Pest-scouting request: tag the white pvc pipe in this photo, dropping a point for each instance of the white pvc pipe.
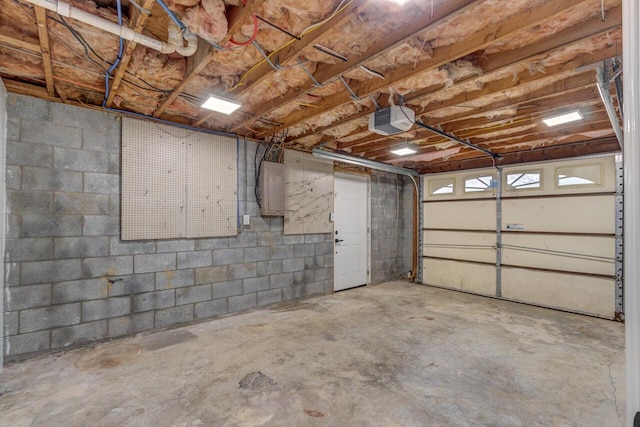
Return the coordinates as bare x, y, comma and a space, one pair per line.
68, 11
631, 159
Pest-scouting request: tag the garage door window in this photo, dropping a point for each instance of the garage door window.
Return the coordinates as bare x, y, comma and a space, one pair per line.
521, 180
478, 184
440, 187
579, 176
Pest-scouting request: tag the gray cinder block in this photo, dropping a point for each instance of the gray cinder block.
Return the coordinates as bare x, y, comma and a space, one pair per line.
80, 290
105, 308
242, 302
78, 334
154, 300
36, 319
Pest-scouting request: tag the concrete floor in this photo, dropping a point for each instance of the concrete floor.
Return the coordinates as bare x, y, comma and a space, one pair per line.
391, 355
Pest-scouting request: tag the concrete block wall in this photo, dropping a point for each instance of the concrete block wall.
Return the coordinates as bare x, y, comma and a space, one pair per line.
71, 280
391, 217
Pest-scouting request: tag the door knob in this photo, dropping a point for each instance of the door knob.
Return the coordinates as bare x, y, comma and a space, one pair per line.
339, 240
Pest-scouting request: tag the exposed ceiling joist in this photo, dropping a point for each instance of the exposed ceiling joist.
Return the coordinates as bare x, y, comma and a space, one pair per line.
326, 73
541, 154
43, 36
196, 64
440, 57
26, 43
137, 22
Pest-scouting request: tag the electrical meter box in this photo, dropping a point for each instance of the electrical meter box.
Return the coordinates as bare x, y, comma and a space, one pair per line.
272, 189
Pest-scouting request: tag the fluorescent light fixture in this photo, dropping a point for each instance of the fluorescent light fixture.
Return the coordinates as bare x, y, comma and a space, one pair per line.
403, 150
563, 118
221, 105
399, 1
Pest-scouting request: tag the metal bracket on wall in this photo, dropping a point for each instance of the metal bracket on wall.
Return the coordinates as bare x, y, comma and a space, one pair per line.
619, 309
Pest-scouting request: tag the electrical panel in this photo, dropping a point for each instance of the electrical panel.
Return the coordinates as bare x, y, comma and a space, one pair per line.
272, 189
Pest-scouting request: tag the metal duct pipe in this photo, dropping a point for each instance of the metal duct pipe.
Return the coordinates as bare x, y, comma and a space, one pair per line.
68, 11
355, 160
603, 89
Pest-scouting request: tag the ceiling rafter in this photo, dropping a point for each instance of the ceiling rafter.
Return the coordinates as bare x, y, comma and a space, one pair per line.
138, 20
264, 70
598, 121
553, 152
564, 91
205, 53
326, 73
26, 43
585, 97
493, 64
43, 36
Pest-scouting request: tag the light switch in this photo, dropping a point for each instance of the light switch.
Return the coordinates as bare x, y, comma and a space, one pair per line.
331, 217
246, 220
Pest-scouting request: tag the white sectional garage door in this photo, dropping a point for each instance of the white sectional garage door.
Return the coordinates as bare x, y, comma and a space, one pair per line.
557, 234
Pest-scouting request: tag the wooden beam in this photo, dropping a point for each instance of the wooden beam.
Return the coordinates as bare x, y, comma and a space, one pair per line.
25, 43
598, 120
327, 72
205, 53
263, 70
441, 56
554, 152
544, 104
490, 64
22, 88
137, 23
43, 35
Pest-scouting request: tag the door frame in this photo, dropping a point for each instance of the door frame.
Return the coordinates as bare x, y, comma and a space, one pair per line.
368, 216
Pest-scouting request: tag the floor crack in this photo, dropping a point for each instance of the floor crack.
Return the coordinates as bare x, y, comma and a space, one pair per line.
615, 389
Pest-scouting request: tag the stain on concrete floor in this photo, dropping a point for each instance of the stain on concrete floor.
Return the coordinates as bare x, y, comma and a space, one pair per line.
362, 357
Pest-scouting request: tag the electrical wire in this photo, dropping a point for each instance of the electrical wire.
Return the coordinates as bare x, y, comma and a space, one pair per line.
135, 4
253, 37
118, 58
343, 5
172, 15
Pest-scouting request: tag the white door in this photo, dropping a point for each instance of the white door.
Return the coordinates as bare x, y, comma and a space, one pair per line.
350, 231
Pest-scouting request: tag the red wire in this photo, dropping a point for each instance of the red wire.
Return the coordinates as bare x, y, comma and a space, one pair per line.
253, 37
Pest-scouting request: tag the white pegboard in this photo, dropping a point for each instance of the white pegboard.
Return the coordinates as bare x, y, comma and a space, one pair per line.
176, 183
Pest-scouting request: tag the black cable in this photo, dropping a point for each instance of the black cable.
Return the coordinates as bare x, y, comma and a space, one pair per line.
278, 28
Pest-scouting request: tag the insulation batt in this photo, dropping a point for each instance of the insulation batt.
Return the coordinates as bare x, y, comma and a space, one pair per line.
356, 36
205, 18
162, 71
21, 65
573, 16
279, 83
18, 22
477, 19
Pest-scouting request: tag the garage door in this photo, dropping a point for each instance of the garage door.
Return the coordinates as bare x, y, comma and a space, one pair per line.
545, 234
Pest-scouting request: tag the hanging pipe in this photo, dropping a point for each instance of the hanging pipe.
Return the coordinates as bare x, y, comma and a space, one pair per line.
68, 11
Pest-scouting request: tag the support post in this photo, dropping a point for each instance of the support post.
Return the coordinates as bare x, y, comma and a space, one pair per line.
498, 231
631, 79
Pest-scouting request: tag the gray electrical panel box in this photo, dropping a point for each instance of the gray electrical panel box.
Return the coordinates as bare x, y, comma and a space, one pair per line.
272, 189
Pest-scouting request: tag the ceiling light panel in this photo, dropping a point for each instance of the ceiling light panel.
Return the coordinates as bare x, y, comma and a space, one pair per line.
221, 105
563, 118
403, 151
